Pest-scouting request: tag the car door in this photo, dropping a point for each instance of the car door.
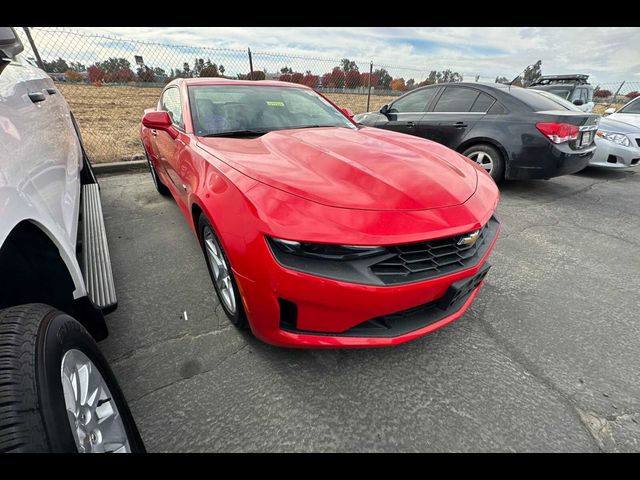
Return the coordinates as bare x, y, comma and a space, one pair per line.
405, 113
41, 154
168, 148
454, 114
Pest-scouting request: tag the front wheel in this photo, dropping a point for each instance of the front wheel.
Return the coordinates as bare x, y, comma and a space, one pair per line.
489, 158
221, 274
57, 392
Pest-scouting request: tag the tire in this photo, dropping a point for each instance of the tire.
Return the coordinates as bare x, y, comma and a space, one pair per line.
160, 187
482, 152
233, 307
35, 342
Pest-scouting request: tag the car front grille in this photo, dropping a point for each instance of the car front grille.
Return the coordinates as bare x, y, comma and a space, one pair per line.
638, 141
414, 262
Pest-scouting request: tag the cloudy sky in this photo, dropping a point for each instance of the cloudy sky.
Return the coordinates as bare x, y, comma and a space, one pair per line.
606, 53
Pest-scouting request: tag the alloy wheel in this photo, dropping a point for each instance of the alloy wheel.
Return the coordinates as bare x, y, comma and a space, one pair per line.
220, 270
96, 424
483, 159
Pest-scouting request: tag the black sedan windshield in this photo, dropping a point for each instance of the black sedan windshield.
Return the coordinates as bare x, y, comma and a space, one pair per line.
220, 109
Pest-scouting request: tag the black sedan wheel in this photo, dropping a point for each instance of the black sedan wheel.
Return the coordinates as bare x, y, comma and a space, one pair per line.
489, 158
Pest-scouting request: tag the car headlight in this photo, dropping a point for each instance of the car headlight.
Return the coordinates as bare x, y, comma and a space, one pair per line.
618, 138
325, 251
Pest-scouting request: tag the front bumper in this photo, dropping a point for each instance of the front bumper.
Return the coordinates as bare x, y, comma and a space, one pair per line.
295, 309
609, 154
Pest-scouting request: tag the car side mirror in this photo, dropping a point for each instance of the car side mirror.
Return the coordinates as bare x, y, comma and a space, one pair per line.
609, 111
384, 110
578, 101
348, 113
10, 46
159, 120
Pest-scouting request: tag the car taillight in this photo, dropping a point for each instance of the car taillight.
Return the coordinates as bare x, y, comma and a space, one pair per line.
558, 132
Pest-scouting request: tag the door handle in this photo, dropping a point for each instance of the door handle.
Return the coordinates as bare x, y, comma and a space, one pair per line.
51, 91
460, 124
37, 97
411, 125
154, 132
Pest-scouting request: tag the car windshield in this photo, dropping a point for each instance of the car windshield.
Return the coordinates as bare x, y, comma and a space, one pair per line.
219, 110
631, 107
541, 100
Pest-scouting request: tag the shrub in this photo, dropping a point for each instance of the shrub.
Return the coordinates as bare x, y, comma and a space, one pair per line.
632, 95
398, 85
297, 77
121, 75
145, 74
335, 79
352, 79
72, 76
259, 75
95, 74
311, 80
364, 79
285, 77
210, 70
602, 94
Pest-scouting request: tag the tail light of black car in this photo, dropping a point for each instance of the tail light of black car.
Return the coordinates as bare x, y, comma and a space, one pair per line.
559, 132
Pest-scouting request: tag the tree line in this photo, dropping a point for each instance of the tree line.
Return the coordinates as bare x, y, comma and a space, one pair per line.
347, 75
119, 70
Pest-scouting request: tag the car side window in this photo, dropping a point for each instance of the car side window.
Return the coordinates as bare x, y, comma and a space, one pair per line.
414, 102
171, 103
584, 95
578, 95
483, 103
456, 99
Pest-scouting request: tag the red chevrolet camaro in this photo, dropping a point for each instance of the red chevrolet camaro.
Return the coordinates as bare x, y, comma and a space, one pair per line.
318, 232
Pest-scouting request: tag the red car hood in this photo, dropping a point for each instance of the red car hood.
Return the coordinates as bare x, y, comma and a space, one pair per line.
368, 169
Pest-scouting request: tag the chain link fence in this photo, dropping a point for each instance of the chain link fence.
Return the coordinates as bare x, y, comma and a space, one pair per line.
109, 81
614, 95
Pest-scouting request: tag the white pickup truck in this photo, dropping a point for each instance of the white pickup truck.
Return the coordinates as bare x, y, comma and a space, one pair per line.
57, 392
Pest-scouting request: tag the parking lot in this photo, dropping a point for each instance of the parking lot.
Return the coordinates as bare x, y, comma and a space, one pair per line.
546, 359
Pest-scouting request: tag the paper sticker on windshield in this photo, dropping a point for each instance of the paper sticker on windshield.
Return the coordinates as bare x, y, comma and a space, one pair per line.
275, 104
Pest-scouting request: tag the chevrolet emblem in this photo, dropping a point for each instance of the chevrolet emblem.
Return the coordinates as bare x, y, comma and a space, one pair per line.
469, 240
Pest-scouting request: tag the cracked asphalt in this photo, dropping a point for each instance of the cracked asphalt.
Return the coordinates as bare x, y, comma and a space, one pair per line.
546, 359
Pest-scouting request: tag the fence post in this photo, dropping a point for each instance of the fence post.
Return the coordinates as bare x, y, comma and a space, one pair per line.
615, 95
369, 93
250, 64
33, 47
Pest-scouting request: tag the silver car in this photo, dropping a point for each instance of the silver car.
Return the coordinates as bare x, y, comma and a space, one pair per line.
629, 113
617, 145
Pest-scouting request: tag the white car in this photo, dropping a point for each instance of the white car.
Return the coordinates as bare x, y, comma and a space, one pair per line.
617, 145
57, 392
629, 113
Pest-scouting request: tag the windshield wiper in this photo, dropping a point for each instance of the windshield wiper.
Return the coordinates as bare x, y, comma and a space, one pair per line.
238, 133
313, 126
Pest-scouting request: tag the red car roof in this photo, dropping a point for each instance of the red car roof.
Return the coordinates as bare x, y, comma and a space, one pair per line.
230, 81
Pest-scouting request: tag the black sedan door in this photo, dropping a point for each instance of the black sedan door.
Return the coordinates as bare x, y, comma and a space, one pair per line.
455, 113
405, 114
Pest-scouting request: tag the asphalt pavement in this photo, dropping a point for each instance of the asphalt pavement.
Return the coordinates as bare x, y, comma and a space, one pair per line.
546, 359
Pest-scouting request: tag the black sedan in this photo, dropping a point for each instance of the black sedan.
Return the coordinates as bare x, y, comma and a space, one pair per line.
514, 133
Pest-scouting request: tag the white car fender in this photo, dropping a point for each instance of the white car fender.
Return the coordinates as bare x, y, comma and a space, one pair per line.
15, 208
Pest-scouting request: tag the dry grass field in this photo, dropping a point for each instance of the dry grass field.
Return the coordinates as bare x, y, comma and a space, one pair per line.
109, 117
